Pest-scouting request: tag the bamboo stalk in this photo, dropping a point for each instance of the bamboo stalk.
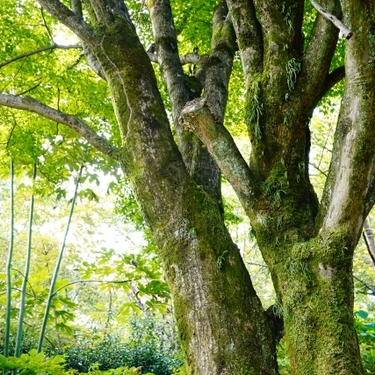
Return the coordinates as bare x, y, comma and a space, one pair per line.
9, 264
57, 268
17, 351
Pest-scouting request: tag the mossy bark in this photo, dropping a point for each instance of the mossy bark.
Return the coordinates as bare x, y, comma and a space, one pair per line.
313, 282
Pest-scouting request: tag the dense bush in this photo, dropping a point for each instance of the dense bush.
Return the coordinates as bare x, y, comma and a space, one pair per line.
34, 363
150, 346
365, 327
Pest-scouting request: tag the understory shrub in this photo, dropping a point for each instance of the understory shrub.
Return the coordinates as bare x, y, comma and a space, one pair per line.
151, 346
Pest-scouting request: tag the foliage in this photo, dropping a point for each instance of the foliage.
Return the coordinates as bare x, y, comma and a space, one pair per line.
34, 363
93, 288
151, 345
365, 326
118, 371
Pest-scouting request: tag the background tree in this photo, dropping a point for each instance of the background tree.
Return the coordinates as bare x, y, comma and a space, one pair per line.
287, 55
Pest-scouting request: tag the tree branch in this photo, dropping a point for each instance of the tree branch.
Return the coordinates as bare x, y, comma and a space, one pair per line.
249, 35
197, 117
334, 77
92, 281
218, 66
29, 89
166, 50
42, 49
74, 22
215, 74
318, 56
46, 25
196, 158
286, 17
366, 285
346, 32
85, 131
91, 59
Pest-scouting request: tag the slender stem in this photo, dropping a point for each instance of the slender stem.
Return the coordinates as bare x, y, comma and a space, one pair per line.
26, 274
57, 268
9, 264
94, 281
366, 285
47, 48
347, 33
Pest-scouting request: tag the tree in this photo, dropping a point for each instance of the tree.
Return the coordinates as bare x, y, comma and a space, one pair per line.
287, 53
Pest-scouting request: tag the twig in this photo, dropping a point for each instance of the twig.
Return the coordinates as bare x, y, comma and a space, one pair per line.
45, 24
369, 287
11, 132
29, 89
347, 33
92, 281
42, 49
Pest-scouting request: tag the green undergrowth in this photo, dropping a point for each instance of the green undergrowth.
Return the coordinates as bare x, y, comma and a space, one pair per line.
34, 363
150, 347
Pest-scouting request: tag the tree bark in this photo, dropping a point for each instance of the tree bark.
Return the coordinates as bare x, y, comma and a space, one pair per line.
220, 319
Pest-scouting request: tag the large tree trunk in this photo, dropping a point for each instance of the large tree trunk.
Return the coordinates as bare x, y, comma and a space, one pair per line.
219, 316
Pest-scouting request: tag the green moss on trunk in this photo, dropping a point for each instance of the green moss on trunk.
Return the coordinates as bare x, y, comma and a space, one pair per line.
313, 282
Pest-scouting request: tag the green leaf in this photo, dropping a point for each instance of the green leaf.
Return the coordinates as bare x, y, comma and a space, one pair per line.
362, 314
